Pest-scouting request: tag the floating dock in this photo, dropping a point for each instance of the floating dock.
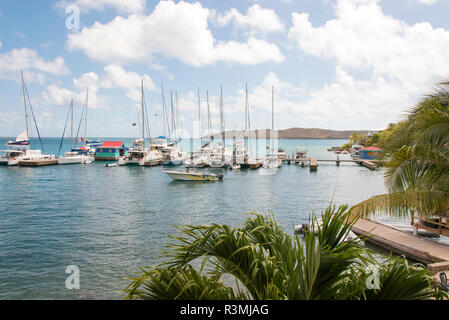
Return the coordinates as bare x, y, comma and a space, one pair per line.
370, 164
431, 253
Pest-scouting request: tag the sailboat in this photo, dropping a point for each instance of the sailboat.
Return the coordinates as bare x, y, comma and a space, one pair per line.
73, 157
138, 154
199, 158
17, 149
220, 156
89, 146
19, 152
172, 155
272, 161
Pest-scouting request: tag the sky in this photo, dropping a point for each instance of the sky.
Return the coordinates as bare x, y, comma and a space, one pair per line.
333, 64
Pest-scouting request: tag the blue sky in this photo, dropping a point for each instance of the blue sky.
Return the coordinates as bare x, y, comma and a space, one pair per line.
342, 64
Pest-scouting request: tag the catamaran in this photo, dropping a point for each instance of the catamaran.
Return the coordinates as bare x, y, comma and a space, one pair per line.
19, 152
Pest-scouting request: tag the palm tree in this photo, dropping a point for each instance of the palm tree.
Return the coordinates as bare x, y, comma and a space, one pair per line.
417, 177
260, 261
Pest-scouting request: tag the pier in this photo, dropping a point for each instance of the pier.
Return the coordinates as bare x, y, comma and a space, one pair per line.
431, 253
370, 164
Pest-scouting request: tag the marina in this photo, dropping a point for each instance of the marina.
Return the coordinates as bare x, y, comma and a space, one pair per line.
195, 150
106, 219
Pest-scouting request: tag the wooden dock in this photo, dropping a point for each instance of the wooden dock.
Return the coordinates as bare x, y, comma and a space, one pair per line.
313, 164
366, 163
434, 254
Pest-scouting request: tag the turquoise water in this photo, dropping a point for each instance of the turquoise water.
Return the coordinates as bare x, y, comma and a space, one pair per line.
109, 221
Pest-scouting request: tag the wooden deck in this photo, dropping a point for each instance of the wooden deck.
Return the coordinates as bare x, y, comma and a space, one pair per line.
435, 255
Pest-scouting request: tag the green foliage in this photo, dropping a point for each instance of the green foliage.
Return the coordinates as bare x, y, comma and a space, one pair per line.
260, 261
417, 176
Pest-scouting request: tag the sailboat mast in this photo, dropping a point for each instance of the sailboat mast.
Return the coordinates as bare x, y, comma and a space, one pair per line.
222, 123
199, 116
246, 116
25, 105
176, 113
143, 117
172, 116
85, 119
209, 124
246, 106
71, 132
163, 108
272, 120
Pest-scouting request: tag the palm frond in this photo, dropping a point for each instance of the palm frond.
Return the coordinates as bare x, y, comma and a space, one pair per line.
422, 203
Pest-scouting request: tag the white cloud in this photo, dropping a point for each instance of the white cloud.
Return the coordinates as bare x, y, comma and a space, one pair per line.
428, 2
115, 76
172, 32
401, 62
363, 37
128, 6
12, 62
54, 95
257, 19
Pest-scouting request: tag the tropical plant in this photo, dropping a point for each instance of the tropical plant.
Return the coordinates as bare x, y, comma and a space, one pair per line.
417, 177
260, 261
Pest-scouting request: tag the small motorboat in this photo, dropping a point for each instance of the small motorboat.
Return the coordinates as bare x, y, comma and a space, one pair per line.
235, 167
111, 164
193, 176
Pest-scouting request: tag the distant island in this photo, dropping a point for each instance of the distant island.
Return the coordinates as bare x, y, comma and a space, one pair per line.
296, 133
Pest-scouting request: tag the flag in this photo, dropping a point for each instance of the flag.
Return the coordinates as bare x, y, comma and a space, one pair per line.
134, 124
79, 140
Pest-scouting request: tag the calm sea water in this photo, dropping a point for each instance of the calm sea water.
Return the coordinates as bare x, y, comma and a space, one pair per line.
110, 221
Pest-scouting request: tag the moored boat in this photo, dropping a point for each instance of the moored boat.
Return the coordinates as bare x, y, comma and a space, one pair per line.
75, 158
193, 176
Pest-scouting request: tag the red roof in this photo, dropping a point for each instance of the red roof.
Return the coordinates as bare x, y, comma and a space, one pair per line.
111, 144
372, 148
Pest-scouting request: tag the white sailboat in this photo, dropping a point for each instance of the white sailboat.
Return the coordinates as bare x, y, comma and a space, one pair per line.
89, 146
272, 160
220, 156
172, 155
73, 157
139, 154
19, 152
